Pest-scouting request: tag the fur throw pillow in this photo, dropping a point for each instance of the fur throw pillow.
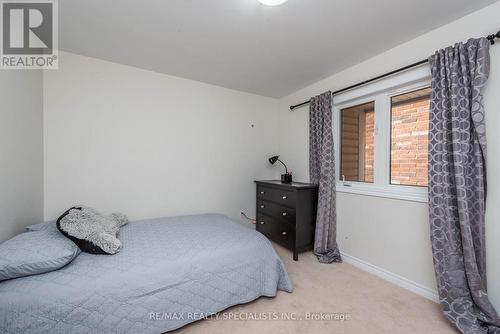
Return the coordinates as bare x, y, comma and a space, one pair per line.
91, 231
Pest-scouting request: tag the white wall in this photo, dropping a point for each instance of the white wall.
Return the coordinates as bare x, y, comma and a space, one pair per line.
119, 138
21, 151
392, 234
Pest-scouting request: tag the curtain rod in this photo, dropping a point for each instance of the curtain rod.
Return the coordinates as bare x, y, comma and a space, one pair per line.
491, 38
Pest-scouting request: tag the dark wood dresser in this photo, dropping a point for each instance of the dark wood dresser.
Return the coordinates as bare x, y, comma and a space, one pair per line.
286, 213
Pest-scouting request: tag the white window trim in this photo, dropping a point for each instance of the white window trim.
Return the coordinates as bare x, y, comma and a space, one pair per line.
381, 93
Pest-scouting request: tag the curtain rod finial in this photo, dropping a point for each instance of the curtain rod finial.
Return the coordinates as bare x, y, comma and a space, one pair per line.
492, 37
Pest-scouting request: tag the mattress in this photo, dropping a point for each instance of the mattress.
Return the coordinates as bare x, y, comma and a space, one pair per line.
170, 272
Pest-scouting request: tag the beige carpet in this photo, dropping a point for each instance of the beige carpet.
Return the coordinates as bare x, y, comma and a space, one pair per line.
372, 305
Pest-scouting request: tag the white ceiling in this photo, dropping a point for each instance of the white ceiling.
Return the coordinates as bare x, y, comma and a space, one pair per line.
243, 45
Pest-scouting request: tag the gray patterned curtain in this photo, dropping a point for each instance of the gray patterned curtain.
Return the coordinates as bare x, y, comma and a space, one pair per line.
457, 185
322, 172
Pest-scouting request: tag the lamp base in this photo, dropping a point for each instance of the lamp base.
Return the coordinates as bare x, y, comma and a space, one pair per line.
286, 178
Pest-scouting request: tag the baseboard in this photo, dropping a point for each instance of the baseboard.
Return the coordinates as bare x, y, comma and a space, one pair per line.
405, 283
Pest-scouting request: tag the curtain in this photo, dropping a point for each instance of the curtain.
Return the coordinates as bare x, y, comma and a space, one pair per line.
457, 185
322, 172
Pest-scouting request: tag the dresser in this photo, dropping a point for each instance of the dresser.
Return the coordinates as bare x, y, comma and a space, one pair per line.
286, 213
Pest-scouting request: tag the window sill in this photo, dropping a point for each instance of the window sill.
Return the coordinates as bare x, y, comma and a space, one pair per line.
405, 193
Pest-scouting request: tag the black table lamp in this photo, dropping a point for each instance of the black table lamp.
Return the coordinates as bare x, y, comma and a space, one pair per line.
285, 178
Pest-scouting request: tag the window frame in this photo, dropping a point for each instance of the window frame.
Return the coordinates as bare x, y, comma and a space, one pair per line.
381, 93
340, 125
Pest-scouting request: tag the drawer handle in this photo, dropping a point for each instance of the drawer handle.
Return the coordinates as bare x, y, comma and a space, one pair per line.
262, 192
285, 197
262, 206
262, 223
284, 213
283, 233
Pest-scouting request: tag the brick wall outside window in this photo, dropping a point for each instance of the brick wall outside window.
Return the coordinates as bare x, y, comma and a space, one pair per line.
409, 140
369, 145
350, 146
357, 143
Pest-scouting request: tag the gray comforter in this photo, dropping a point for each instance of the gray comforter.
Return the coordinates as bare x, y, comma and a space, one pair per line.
171, 272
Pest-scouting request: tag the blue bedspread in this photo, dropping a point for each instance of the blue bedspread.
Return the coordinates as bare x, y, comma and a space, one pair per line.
170, 272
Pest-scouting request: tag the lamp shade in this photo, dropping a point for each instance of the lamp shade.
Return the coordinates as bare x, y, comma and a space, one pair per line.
272, 160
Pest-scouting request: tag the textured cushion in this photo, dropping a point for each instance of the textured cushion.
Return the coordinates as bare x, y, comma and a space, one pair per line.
91, 231
37, 252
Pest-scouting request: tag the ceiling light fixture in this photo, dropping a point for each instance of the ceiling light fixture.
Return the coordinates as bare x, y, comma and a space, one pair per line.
272, 2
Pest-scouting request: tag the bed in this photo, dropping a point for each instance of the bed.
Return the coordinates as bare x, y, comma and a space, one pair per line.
170, 272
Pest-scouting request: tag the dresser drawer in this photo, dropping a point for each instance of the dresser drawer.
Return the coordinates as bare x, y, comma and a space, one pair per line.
281, 196
276, 211
276, 230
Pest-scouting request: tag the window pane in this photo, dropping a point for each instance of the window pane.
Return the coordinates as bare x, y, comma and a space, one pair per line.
358, 124
409, 138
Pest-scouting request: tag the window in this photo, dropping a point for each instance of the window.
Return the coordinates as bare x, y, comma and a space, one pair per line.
381, 133
358, 125
409, 137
